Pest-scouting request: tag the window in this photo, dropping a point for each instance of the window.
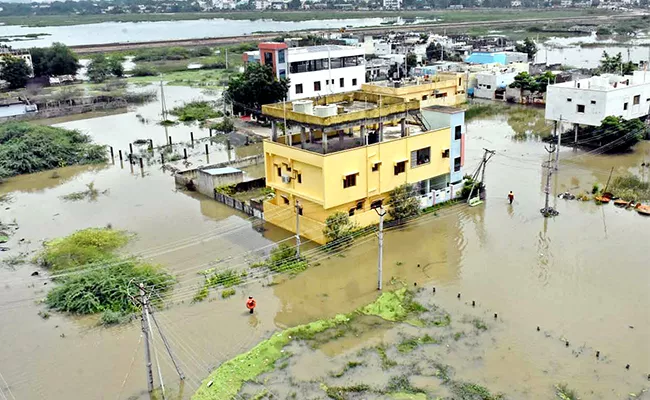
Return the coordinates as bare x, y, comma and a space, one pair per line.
285, 199
593, 102
624, 106
299, 177
458, 132
456, 164
400, 167
299, 88
349, 181
268, 58
439, 95
445, 153
283, 74
360, 205
376, 204
420, 157
351, 212
375, 166
488, 86
281, 56
425, 97
460, 81
317, 86
580, 108
568, 100
354, 81
279, 171
327, 82
341, 82
637, 100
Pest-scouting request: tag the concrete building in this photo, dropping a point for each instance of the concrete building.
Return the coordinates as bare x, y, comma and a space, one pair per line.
347, 152
211, 178
392, 4
315, 70
492, 83
6, 51
443, 89
588, 101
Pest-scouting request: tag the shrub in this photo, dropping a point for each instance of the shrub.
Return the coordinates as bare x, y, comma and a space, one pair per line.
195, 111
283, 259
339, 228
403, 203
227, 293
226, 125
143, 71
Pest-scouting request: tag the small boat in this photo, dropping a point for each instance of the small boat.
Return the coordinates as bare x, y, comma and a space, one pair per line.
642, 209
622, 203
602, 199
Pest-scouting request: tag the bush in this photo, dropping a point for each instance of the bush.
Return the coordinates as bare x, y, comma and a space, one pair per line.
143, 71
27, 148
106, 288
226, 125
81, 248
227, 293
283, 259
403, 203
339, 228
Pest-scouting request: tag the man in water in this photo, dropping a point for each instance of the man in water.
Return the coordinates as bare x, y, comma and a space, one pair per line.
250, 304
511, 197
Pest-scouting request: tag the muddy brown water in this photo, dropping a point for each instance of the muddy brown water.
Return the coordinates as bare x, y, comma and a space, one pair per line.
582, 276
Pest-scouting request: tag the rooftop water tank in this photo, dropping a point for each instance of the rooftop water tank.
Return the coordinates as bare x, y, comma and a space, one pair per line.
325, 111
304, 106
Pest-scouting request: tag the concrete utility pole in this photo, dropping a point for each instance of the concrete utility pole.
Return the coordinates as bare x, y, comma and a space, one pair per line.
380, 256
559, 141
298, 208
145, 332
548, 211
226, 58
169, 349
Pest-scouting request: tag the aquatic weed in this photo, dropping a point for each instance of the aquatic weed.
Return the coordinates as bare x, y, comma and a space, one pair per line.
473, 391
201, 294
402, 384
350, 365
227, 293
408, 345
338, 393
386, 362
564, 393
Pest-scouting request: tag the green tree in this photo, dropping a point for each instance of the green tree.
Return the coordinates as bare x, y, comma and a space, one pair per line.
15, 72
99, 69
544, 80
614, 134
116, 67
615, 65
525, 81
254, 87
55, 60
294, 5
338, 227
434, 50
403, 203
528, 46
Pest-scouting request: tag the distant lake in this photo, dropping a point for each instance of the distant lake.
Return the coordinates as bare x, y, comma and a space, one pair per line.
111, 32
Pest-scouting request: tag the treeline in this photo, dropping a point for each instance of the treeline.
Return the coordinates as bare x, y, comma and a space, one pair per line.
96, 7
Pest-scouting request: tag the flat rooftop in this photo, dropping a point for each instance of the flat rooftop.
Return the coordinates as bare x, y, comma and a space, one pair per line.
607, 82
321, 48
221, 171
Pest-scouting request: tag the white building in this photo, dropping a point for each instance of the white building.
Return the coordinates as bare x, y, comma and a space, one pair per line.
392, 4
6, 51
314, 70
491, 84
588, 101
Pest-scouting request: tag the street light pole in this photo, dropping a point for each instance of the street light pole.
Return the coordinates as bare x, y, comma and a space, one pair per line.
380, 257
297, 228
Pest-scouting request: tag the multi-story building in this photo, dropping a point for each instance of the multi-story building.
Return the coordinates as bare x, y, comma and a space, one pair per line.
442, 89
588, 101
6, 51
347, 152
392, 4
315, 70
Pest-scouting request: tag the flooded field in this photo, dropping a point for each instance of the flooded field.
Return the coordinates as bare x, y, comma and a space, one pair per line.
582, 277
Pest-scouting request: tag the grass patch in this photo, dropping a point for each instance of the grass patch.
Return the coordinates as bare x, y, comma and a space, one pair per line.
564, 393
283, 259
386, 362
408, 345
339, 393
91, 193
83, 247
195, 111
458, 335
350, 365
227, 293
394, 306
487, 109
477, 323
631, 188
402, 384
472, 391
201, 294
226, 279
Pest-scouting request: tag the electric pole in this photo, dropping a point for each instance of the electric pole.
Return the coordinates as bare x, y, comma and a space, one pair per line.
169, 350
380, 235
548, 211
559, 141
298, 211
145, 333
226, 58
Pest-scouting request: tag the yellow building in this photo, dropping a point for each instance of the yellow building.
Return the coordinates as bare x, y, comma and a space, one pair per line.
346, 152
442, 89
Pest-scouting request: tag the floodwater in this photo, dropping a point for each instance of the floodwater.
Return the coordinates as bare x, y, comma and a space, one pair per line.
124, 32
581, 276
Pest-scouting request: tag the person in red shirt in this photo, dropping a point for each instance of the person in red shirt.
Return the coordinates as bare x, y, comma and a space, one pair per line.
511, 197
250, 304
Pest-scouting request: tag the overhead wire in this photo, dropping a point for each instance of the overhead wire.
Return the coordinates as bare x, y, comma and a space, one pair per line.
7, 386
128, 372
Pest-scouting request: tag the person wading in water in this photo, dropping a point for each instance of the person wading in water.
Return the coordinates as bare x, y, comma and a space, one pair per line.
511, 197
250, 304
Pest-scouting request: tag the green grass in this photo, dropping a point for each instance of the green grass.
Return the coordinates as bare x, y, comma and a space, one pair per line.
339, 393
410, 344
484, 109
472, 391
445, 15
195, 111
564, 393
394, 306
386, 363
227, 293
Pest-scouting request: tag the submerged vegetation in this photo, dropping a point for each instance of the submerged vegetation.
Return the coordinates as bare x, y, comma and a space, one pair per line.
484, 109
197, 110
630, 188
27, 148
95, 279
